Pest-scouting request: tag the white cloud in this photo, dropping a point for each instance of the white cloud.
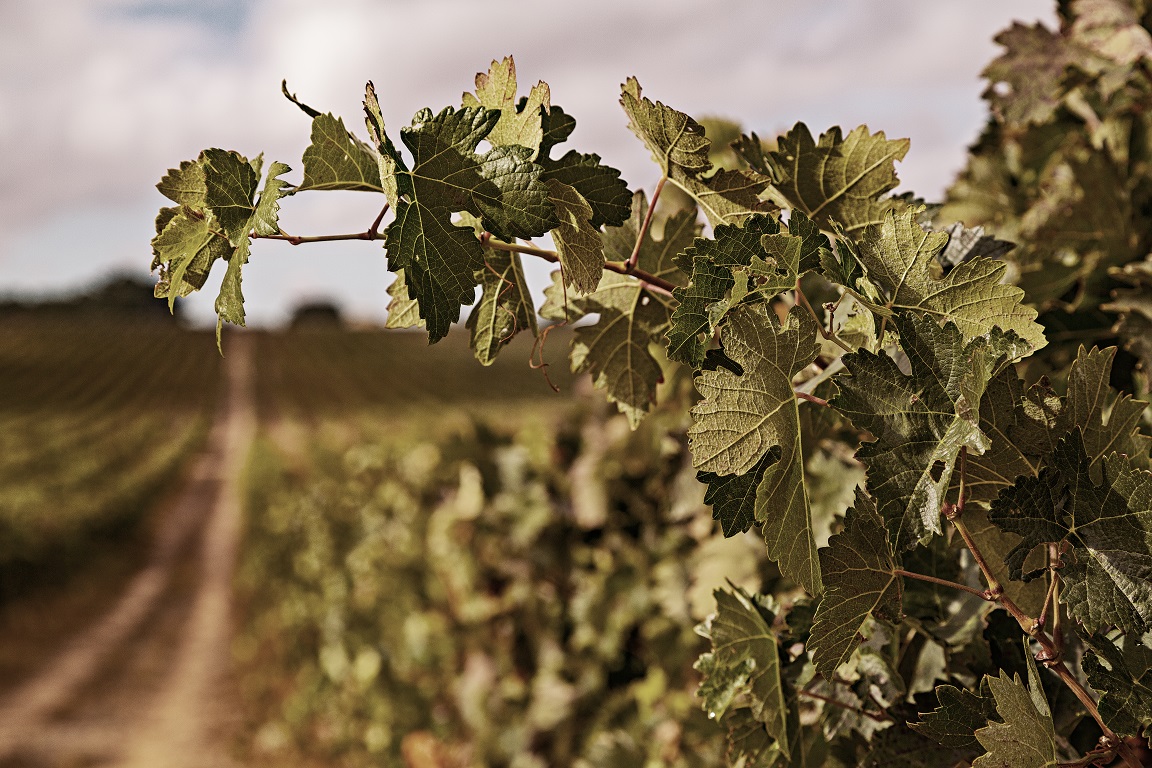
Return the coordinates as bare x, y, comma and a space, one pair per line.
99, 97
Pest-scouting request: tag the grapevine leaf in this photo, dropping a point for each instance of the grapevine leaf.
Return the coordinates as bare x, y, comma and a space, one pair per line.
1124, 681
1022, 427
840, 179
338, 160
185, 185
265, 217
184, 250
230, 182
403, 312
741, 418
505, 306
675, 140
753, 261
733, 497
712, 263
519, 124
230, 300
1027, 737
1108, 523
860, 586
388, 160
744, 663
922, 420
1025, 81
556, 126
1108, 422
441, 260
578, 244
615, 351
955, 721
680, 148
899, 258
599, 184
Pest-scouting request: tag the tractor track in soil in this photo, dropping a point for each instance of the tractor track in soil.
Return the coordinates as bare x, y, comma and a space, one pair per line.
148, 682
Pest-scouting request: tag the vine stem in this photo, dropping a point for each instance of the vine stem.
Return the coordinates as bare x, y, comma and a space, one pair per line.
654, 283
650, 281
981, 593
630, 265
1050, 654
844, 705
812, 399
828, 335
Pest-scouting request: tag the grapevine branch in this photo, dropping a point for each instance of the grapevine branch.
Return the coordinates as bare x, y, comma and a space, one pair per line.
828, 335
634, 257
1050, 654
878, 717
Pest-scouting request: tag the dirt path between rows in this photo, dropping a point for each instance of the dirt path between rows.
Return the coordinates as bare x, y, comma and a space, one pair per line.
148, 683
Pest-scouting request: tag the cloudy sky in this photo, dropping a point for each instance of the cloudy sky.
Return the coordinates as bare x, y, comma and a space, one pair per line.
99, 97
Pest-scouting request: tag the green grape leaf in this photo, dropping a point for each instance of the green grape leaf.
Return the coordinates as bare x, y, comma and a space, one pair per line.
741, 418
338, 160
578, 244
753, 261
1025, 82
1026, 738
616, 349
1124, 680
597, 183
1108, 576
899, 258
840, 178
733, 497
1022, 427
403, 312
505, 306
1108, 422
556, 126
680, 148
744, 664
955, 721
185, 185
922, 419
219, 209
712, 262
859, 586
388, 160
441, 260
520, 123
186, 246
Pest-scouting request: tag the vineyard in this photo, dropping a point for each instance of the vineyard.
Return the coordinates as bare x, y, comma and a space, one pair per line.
95, 420
784, 467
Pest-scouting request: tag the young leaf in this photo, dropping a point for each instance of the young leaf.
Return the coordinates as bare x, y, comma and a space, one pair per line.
743, 664
338, 160
859, 586
616, 349
840, 179
520, 123
680, 148
505, 306
769, 261
899, 258
741, 418
1108, 576
578, 244
1026, 738
921, 419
